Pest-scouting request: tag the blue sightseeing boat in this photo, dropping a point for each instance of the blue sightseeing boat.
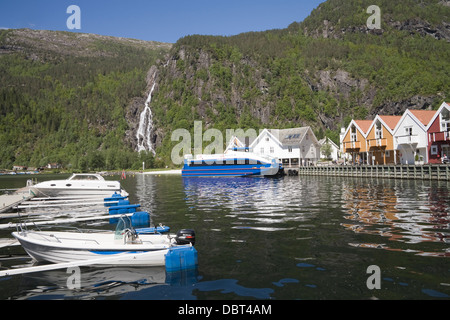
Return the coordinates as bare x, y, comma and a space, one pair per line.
235, 164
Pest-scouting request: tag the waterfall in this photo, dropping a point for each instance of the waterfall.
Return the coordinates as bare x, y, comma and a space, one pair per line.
143, 134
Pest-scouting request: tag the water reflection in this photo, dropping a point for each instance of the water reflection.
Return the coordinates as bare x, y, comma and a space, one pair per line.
245, 251
104, 282
252, 203
410, 212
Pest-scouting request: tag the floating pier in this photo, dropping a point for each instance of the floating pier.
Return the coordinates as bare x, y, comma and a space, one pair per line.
419, 172
10, 201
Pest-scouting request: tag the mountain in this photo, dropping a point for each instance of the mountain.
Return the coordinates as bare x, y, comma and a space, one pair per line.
64, 97
321, 72
79, 99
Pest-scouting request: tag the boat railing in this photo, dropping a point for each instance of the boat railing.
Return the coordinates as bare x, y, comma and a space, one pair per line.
24, 229
59, 239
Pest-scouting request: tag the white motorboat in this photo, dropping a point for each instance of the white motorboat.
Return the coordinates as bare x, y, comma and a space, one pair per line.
84, 184
122, 247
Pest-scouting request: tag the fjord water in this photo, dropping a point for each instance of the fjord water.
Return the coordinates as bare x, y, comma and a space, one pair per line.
278, 238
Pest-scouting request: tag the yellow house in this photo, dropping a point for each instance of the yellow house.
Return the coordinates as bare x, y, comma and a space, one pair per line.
380, 140
353, 140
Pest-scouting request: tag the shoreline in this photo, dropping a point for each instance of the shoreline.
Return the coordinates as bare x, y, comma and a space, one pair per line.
175, 171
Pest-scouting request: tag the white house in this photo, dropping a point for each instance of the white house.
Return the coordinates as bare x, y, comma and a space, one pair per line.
335, 150
54, 166
410, 136
297, 146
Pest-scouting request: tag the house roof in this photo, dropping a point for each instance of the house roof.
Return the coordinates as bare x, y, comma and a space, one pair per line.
364, 125
290, 137
326, 139
391, 121
243, 139
443, 106
424, 116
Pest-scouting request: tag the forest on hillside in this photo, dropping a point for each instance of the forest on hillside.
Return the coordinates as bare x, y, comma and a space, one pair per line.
69, 108
321, 72
65, 98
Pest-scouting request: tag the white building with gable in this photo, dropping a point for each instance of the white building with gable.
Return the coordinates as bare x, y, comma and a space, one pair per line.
293, 147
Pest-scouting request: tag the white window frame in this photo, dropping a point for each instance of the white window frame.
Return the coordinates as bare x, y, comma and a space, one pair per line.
409, 131
434, 150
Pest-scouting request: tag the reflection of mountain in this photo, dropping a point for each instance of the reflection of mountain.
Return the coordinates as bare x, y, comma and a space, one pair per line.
410, 215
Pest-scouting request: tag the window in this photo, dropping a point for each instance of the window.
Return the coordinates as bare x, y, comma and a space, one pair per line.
388, 154
353, 134
434, 150
408, 131
289, 149
378, 131
262, 150
445, 120
272, 150
293, 136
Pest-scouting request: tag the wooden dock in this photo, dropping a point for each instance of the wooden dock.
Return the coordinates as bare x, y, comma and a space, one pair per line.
10, 201
423, 172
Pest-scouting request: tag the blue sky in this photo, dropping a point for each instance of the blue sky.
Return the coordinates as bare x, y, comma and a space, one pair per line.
164, 21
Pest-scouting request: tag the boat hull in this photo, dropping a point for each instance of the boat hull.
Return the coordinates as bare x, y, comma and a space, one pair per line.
78, 185
65, 192
63, 247
230, 165
230, 172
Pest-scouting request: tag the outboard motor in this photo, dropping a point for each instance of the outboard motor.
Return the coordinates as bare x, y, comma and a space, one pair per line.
185, 236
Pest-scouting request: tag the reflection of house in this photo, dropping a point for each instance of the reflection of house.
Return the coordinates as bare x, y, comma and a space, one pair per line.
297, 146
380, 140
438, 131
334, 149
410, 136
353, 140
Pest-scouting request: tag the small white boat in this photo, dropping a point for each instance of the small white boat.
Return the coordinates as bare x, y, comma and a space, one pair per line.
83, 184
122, 247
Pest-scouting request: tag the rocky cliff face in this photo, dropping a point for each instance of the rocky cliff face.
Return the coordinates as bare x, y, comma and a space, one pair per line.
135, 109
321, 72
63, 97
75, 94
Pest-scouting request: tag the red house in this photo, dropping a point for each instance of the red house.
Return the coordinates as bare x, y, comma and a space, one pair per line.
438, 132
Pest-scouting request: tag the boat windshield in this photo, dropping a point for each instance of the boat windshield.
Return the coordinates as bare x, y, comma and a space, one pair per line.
123, 224
84, 177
